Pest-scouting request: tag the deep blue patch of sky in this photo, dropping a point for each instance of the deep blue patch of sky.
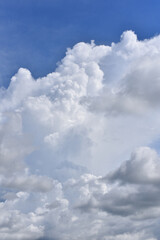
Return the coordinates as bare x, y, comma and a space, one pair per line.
35, 33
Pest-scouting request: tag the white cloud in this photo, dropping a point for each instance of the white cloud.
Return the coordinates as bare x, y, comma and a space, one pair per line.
57, 133
143, 167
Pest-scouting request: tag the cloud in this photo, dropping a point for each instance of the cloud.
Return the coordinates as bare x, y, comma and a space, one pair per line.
28, 183
131, 77
16, 225
142, 168
136, 193
64, 139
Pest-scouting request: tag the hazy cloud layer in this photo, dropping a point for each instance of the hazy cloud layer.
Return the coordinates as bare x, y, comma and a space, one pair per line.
72, 159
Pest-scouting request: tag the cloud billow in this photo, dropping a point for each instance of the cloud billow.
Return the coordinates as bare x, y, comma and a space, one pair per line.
64, 141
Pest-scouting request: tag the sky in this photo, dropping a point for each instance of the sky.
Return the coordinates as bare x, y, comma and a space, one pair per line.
35, 34
79, 120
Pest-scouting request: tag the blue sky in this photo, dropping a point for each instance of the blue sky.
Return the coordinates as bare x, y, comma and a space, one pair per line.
35, 33
80, 147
